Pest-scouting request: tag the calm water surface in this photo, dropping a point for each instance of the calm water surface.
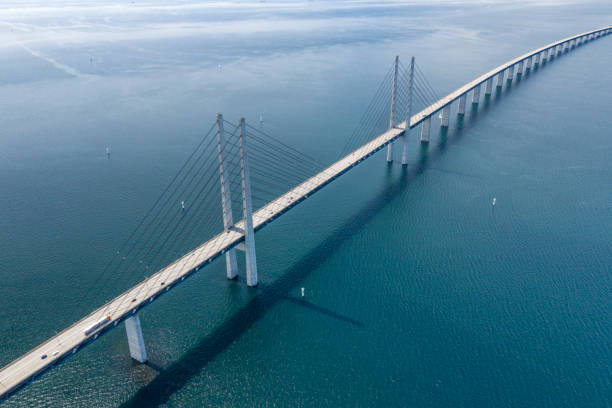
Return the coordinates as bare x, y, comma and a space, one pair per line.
419, 293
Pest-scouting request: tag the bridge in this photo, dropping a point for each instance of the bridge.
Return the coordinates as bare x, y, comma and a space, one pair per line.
230, 146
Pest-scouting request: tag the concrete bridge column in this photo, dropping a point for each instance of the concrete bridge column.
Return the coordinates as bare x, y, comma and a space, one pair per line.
500, 79
489, 86
528, 67
135, 339
425, 128
392, 115
510, 72
445, 116
247, 210
519, 69
537, 59
226, 199
544, 55
408, 113
461, 110
476, 94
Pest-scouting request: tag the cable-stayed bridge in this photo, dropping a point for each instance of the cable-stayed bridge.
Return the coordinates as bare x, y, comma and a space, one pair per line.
260, 178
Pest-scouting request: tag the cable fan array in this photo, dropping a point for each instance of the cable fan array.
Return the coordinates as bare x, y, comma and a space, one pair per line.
188, 211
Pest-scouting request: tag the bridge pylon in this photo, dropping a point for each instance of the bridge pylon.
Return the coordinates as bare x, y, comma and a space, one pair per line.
247, 210
248, 246
226, 199
408, 113
392, 114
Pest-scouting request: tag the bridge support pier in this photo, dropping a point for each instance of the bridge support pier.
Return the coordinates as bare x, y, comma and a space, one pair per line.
476, 94
500, 79
461, 109
489, 86
226, 200
445, 116
519, 69
425, 128
528, 65
135, 339
510, 73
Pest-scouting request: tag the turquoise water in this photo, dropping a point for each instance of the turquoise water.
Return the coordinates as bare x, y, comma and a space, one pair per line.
418, 292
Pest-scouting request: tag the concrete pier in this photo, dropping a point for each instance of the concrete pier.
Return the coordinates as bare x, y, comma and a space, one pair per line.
445, 116
135, 340
461, 109
476, 94
528, 65
519, 69
510, 73
489, 86
425, 129
500, 79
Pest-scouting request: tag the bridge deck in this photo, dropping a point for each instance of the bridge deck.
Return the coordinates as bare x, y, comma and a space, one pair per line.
66, 343
69, 341
438, 105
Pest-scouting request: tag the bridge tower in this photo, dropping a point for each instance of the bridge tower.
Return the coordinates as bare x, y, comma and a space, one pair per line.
226, 199
392, 115
247, 210
408, 112
248, 246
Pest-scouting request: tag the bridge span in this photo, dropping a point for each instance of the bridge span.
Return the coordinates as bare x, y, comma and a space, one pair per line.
240, 235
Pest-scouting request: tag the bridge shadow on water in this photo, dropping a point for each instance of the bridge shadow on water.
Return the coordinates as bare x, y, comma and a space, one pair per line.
173, 378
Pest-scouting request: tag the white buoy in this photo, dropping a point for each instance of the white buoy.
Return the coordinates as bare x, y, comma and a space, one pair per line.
302, 292
494, 200
182, 205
